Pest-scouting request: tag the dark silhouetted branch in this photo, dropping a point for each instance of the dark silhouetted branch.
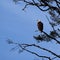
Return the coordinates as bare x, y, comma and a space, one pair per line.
33, 52
42, 3
27, 45
52, 37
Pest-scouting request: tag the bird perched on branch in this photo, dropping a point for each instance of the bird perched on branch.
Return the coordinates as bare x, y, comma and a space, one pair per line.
40, 26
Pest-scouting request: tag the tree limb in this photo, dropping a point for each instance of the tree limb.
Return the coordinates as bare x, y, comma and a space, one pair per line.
51, 37
33, 52
27, 45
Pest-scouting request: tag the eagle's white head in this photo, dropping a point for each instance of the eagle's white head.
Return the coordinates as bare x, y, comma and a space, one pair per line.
38, 20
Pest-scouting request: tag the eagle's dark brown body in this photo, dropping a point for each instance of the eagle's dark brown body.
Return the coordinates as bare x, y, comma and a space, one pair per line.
40, 26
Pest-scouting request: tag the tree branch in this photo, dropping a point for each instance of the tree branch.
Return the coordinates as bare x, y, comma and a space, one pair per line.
51, 37
24, 46
27, 45
33, 52
45, 3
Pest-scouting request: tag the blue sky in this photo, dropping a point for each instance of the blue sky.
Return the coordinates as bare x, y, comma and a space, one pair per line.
18, 26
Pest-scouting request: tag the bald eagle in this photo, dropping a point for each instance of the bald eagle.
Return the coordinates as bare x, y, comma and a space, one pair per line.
40, 26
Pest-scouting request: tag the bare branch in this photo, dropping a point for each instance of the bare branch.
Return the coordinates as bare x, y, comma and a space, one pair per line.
52, 37
45, 3
25, 6
34, 52
57, 3
27, 45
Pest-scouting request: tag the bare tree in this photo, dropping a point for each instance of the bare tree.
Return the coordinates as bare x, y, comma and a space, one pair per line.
52, 7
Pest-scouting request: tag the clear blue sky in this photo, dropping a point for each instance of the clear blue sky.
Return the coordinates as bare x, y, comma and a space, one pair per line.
18, 26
